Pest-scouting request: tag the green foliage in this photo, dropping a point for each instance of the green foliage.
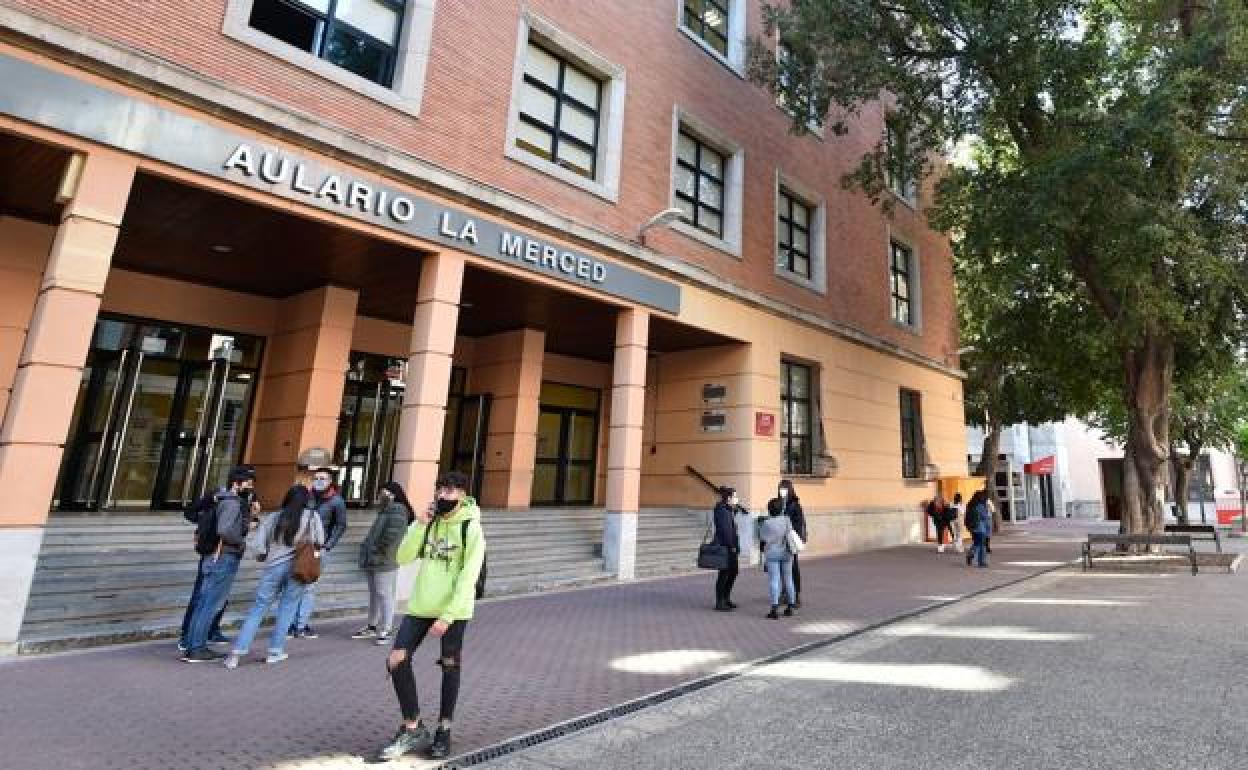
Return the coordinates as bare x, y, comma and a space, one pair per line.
1105, 202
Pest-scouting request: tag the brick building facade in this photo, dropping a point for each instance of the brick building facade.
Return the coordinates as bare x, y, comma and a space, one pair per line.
185, 287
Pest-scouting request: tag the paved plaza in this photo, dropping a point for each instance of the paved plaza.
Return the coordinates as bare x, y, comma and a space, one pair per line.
530, 662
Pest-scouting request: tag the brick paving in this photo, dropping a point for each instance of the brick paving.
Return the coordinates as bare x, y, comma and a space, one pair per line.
529, 662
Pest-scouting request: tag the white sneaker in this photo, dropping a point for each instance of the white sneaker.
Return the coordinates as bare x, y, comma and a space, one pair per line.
940, 548
276, 657
383, 638
231, 661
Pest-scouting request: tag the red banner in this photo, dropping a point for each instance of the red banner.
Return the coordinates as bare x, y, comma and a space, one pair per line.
1041, 467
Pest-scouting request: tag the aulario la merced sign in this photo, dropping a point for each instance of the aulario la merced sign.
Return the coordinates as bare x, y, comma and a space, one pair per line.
64, 103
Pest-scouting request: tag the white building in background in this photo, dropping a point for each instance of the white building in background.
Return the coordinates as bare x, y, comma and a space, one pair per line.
1069, 469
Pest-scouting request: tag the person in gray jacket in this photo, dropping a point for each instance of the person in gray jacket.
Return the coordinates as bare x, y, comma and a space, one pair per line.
328, 502
377, 554
274, 543
773, 538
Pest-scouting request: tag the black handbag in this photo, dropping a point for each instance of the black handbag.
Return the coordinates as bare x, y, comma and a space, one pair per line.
712, 555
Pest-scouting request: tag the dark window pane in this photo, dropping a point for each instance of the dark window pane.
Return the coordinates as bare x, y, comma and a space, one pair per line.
287, 23
359, 54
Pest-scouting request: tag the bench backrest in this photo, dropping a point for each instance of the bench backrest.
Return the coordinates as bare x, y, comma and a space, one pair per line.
1207, 529
1140, 539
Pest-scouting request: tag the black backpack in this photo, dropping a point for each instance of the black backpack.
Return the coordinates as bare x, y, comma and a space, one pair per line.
463, 536
192, 512
206, 537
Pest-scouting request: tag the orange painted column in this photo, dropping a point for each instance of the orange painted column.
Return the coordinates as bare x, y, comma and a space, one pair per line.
49, 370
419, 440
301, 391
628, 403
24, 247
509, 367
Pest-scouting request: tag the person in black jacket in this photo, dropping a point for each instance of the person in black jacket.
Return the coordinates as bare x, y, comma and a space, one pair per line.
377, 560
726, 535
787, 503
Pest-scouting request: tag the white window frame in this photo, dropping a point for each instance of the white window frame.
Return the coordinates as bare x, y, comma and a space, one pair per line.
916, 282
734, 181
735, 60
909, 194
818, 280
412, 62
609, 150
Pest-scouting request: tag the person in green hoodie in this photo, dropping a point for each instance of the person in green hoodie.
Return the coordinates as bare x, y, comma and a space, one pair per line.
449, 545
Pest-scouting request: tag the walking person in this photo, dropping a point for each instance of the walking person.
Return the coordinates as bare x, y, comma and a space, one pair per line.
276, 541
955, 521
773, 538
328, 502
979, 522
786, 503
221, 537
939, 513
377, 559
725, 521
450, 544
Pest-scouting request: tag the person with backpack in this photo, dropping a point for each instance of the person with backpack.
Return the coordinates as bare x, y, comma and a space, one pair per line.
938, 511
276, 542
221, 537
979, 524
773, 537
726, 535
333, 512
201, 507
377, 559
448, 545
786, 503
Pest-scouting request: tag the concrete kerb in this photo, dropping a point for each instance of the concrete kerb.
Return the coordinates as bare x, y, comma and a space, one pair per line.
603, 716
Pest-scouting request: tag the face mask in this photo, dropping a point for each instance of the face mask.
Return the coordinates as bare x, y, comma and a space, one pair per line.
784, 491
386, 497
446, 506
320, 485
734, 501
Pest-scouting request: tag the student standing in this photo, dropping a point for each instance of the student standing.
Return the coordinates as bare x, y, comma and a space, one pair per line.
786, 503
377, 560
773, 537
221, 538
328, 502
275, 542
450, 545
979, 522
955, 521
726, 536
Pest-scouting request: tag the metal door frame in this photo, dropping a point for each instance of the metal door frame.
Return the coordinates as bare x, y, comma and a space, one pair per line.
562, 461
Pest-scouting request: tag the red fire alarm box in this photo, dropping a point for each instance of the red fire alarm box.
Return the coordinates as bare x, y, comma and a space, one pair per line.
764, 424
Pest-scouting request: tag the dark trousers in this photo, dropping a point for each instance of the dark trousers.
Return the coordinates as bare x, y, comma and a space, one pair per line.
213, 632
943, 526
723, 583
979, 550
411, 633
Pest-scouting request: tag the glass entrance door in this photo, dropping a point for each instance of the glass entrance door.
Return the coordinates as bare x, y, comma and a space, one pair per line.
567, 446
160, 416
372, 403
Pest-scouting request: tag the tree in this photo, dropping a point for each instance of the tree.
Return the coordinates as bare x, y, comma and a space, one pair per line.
1114, 146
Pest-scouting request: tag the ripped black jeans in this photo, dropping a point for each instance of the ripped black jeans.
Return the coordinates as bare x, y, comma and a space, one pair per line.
412, 632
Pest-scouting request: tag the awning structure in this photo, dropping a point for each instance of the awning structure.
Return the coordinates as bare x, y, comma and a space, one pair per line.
1041, 467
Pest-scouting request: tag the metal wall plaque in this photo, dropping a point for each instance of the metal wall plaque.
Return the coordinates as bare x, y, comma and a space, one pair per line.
714, 394
714, 421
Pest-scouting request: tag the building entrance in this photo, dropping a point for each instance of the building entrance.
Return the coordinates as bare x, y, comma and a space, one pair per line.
372, 403
567, 446
161, 415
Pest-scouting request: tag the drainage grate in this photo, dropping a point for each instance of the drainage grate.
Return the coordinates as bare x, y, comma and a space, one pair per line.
563, 729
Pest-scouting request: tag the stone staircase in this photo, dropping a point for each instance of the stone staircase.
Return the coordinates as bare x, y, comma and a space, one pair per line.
111, 579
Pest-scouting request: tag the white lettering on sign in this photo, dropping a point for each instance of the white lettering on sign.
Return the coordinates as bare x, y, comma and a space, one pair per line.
274, 168
550, 258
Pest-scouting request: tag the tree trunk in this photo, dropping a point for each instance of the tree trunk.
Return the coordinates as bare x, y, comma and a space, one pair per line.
988, 467
1182, 483
1149, 369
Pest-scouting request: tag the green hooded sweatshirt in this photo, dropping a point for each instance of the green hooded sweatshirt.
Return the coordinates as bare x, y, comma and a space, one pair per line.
446, 586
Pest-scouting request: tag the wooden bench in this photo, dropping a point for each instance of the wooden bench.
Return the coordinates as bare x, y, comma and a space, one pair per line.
1208, 531
1127, 540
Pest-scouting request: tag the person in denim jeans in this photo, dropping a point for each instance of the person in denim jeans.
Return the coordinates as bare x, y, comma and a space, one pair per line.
275, 542
328, 502
220, 565
979, 522
773, 533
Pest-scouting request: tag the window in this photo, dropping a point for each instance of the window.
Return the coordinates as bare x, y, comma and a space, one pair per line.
360, 36
708, 20
566, 117
793, 226
814, 120
559, 110
912, 449
901, 266
899, 169
797, 428
699, 184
